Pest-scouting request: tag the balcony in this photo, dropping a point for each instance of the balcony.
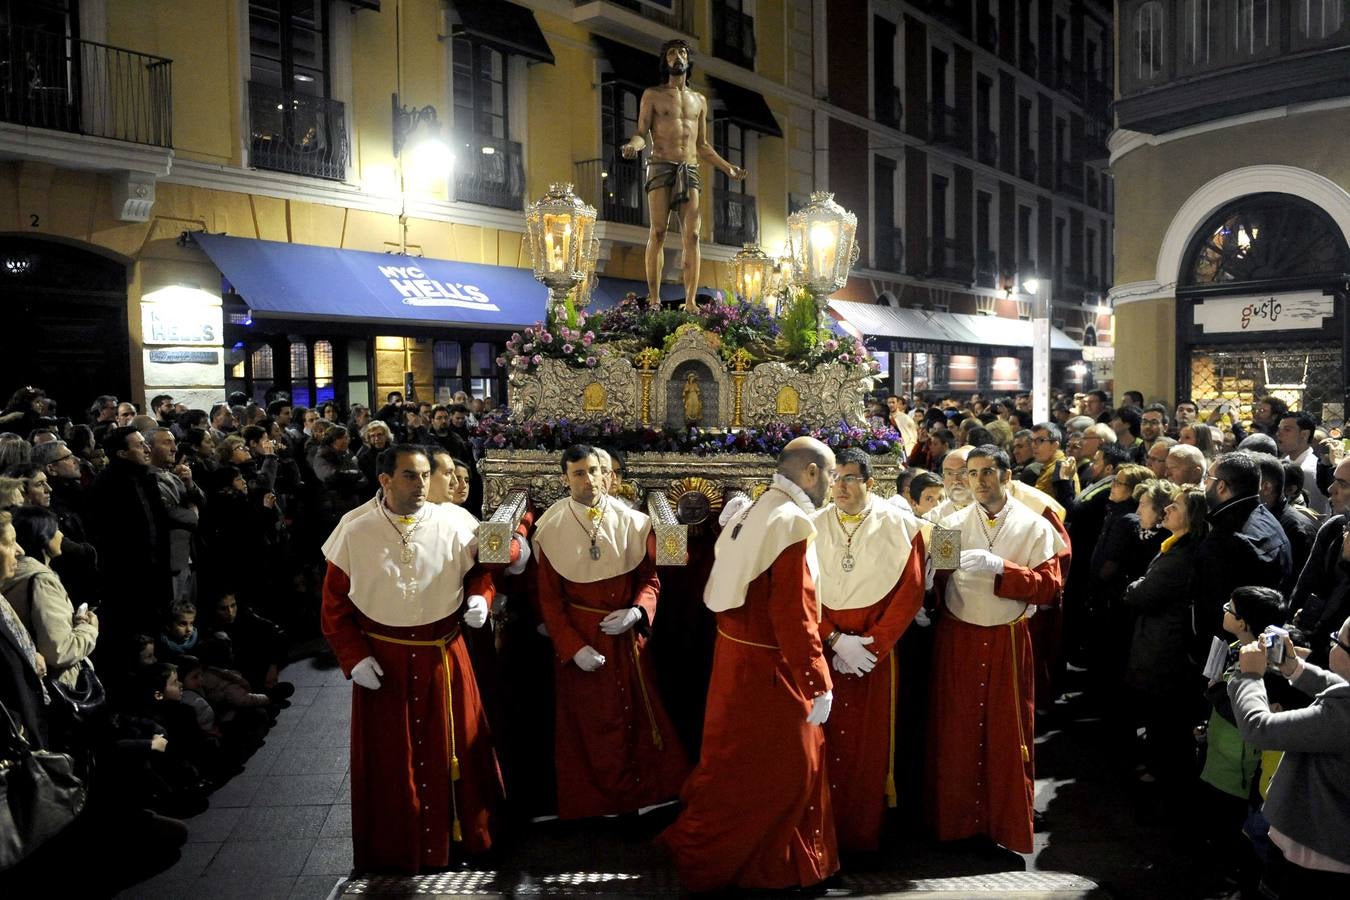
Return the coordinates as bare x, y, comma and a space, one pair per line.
986, 32
296, 134
680, 18
890, 109
733, 36
986, 147
615, 189
80, 87
1069, 178
735, 220
951, 262
949, 126
986, 268
890, 252
1027, 163
489, 171
1093, 144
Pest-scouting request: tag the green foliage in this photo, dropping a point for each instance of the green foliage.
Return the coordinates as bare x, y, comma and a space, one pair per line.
800, 327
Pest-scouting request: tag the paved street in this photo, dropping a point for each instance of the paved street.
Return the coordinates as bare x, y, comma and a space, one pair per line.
282, 830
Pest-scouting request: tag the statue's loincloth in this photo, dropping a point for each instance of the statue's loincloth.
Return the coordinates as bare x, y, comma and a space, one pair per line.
681, 178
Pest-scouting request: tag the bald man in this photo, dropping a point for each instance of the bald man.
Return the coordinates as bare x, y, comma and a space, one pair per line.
954, 484
1185, 464
757, 809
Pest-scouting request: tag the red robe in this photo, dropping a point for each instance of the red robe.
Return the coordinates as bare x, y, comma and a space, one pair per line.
757, 809
1047, 626
860, 733
982, 725
615, 748
404, 799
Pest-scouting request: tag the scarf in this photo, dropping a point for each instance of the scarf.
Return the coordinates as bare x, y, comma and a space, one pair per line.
1046, 480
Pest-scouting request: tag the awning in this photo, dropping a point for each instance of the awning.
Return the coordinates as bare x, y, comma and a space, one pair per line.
503, 25
300, 281
631, 65
905, 330
746, 107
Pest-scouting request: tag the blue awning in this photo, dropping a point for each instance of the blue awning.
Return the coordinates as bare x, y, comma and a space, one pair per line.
300, 281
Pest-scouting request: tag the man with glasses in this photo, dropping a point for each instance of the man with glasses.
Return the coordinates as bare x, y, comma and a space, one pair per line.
1321, 597
871, 584
1245, 545
757, 809
953, 484
1153, 424
1059, 474
1156, 457
982, 723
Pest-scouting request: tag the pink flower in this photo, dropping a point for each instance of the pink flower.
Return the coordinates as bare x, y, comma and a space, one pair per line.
515, 336
501, 360
592, 361
520, 360
568, 348
536, 359
528, 348
545, 338
588, 338
831, 344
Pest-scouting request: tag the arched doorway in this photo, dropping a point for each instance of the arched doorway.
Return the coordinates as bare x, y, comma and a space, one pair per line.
1261, 307
67, 308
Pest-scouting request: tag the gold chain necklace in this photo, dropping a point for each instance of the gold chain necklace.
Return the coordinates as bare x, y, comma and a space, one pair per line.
848, 562
404, 537
999, 518
595, 529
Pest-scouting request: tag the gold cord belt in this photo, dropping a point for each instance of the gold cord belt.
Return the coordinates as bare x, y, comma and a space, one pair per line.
637, 663
736, 640
891, 798
443, 643
1017, 693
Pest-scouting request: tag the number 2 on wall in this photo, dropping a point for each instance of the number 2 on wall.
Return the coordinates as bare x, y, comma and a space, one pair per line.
33, 220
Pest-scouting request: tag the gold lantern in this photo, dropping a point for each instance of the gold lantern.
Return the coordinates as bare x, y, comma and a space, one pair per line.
559, 228
752, 270
821, 246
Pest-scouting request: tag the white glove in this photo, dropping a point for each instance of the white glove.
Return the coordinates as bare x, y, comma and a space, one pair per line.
981, 561
842, 667
929, 572
820, 709
735, 506
476, 611
519, 565
542, 629
620, 620
852, 649
367, 673
587, 659
921, 618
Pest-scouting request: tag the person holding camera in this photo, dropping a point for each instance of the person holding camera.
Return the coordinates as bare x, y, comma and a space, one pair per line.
1308, 804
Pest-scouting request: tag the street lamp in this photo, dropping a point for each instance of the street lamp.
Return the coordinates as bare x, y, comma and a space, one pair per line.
559, 228
430, 155
822, 247
752, 271
1041, 292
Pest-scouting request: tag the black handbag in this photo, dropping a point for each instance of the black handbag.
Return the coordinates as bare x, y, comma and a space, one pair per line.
76, 706
39, 794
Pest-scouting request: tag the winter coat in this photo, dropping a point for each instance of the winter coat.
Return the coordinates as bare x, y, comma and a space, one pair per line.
1245, 546
1161, 601
44, 608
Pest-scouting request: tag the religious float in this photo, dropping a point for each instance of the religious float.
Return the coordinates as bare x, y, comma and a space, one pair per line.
700, 403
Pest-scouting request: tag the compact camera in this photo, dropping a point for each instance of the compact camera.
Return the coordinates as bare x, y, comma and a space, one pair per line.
1273, 638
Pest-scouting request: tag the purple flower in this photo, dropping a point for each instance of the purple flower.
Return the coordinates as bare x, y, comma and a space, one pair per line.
528, 348
536, 359
588, 338
831, 344
592, 361
545, 338
567, 349
501, 360
515, 336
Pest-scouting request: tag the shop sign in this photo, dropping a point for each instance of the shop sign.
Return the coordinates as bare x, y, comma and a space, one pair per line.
208, 357
417, 289
1299, 311
164, 323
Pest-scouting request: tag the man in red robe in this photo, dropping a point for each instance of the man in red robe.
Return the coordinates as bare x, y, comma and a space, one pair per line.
982, 725
757, 809
615, 748
1047, 625
871, 585
401, 582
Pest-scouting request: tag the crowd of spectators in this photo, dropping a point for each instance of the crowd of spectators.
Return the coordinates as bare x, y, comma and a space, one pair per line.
168, 563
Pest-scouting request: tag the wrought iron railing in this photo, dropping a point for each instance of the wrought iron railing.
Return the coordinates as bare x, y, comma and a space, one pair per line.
681, 16
50, 81
296, 134
614, 188
489, 171
951, 261
890, 243
733, 35
735, 219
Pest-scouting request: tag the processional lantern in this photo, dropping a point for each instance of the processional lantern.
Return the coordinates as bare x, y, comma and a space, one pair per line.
753, 270
822, 246
559, 228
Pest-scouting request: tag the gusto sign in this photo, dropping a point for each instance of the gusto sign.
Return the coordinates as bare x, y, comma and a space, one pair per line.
417, 289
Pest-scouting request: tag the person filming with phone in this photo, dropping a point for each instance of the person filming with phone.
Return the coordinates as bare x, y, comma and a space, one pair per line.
1308, 803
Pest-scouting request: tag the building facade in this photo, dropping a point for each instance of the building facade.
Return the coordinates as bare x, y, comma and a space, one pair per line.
1231, 252
968, 139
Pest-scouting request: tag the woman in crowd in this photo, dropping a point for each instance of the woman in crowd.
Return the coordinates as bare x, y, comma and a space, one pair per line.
336, 468
1200, 437
1308, 802
21, 665
11, 491
1159, 671
64, 636
374, 439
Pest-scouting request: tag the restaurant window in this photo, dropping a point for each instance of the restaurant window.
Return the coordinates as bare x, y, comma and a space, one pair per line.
262, 372
300, 392
446, 376
323, 372
358, 374
464, 367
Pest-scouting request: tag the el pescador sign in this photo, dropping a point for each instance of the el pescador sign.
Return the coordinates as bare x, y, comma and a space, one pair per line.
1299, 311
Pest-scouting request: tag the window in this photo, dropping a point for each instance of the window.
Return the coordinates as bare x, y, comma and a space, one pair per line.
735, 217
300, 393
1316, 20
1092, 257
480, 89
1251, 27
1196, 28
1266, 236
1026, 266
263, 375
323, 371
1148, 41
295, 126
733, 33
